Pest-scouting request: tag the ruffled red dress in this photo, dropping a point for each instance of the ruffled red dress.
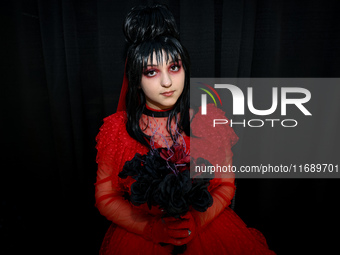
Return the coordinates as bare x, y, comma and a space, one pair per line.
220, 230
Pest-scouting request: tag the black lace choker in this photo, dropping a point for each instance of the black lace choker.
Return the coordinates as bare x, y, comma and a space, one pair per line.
156, 113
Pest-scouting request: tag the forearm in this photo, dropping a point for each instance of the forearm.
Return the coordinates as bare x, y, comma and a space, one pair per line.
222, 196
121, 212
114, 207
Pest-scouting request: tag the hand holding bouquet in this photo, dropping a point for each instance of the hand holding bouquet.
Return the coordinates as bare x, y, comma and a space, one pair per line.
162, 178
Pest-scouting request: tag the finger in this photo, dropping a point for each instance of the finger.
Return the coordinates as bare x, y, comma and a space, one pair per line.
183, 224
178, 233
182, 241
186, 216
170, 219
175, 241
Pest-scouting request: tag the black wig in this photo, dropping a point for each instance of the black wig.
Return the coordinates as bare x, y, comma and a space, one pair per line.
147, 22
146, 41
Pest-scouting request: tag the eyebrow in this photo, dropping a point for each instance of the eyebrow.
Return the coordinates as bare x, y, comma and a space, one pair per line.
171, 62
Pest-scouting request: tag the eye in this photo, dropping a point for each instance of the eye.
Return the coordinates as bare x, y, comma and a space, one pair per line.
175, 67
150, 73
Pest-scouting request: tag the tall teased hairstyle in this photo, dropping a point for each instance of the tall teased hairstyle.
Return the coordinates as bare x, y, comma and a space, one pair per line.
137, 60
147, 22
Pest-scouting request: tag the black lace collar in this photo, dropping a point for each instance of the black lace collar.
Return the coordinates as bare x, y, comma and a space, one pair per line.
156, 113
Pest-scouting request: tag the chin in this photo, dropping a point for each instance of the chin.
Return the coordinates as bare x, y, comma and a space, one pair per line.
165, 106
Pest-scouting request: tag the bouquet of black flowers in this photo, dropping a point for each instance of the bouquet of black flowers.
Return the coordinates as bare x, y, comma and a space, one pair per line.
162, 178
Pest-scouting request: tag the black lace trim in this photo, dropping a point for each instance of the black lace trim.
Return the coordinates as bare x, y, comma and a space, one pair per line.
152, 113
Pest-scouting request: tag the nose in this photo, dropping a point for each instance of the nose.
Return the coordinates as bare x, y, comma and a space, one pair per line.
166, 80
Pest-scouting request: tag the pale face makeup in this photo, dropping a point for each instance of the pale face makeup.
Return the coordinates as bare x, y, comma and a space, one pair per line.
162, 83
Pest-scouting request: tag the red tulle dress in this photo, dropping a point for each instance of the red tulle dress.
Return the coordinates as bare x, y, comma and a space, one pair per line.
220, 230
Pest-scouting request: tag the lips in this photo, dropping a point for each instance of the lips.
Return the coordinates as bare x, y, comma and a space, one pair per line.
168, 93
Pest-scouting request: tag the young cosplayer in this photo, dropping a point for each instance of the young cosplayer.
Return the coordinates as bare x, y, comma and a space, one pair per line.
144, 150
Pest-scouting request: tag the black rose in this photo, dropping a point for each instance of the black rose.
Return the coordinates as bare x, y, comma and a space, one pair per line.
171, 194
155, 166
199, 197
133, 167
140, 190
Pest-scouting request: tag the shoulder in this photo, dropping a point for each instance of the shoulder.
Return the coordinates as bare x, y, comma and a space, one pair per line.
113, 126
211, 112
213, 124
118, 118
200, 120
113, 141
114, 122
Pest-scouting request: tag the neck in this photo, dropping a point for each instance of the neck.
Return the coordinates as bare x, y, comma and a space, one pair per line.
156, 112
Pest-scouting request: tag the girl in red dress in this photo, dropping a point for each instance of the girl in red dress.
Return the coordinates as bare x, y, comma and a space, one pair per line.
154, 113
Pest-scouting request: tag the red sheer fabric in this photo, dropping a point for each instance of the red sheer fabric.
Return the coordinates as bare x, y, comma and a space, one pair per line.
122, 103
218, 230
156, 127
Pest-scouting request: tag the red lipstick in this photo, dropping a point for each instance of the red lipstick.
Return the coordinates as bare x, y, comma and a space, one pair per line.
168, 93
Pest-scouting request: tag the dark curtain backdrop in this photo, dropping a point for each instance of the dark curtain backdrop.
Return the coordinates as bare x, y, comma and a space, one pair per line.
62, 67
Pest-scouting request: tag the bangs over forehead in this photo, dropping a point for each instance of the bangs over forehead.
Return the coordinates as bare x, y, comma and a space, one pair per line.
159, 50
153, 52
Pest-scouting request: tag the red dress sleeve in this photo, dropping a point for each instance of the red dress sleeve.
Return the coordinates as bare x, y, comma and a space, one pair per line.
115, 147
214, 144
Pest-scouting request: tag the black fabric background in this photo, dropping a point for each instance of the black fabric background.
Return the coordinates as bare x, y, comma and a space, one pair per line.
62, 66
